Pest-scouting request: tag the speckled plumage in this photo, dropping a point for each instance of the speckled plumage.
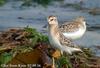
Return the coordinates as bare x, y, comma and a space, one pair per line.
72, 26
57, 39
74, 29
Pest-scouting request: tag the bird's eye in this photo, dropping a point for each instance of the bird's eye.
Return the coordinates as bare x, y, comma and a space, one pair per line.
51, 20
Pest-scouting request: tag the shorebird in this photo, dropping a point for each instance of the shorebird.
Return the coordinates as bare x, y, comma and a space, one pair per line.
74, 29
57, 39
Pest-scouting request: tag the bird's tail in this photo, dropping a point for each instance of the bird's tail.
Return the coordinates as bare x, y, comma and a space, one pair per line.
70, 49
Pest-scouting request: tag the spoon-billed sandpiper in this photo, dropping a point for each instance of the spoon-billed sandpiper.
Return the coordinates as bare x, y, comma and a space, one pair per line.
57, 39
74, 29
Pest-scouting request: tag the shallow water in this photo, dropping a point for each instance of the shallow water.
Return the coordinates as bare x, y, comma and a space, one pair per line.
36, 17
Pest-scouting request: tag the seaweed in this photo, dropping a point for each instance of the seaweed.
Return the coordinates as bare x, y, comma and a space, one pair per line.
28, 46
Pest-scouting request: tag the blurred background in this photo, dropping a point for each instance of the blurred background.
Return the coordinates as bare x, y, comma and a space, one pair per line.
33, 13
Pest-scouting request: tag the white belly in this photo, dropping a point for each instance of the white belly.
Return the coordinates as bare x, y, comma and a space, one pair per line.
54, 41
75, 35
56, 44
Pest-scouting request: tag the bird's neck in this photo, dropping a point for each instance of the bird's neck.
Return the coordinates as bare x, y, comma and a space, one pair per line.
82, 23
53, 29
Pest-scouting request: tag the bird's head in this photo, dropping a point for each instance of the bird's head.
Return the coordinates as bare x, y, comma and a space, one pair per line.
80, 19
52, 20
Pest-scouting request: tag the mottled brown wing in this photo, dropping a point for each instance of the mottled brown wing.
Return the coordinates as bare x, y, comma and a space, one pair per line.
69, 27
66, 41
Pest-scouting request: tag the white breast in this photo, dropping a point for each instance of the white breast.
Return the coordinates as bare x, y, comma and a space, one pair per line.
54, 41
75, 35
